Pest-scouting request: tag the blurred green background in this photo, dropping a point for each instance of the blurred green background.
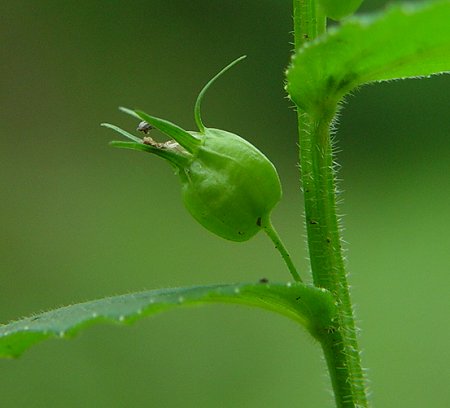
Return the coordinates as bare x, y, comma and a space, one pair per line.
80, 220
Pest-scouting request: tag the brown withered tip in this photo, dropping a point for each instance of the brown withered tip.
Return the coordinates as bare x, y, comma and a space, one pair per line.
144, 127
170, 144
149, 141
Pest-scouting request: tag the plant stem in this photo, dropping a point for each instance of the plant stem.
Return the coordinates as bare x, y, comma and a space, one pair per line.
309, 21
324, 242
340, 345
273, 235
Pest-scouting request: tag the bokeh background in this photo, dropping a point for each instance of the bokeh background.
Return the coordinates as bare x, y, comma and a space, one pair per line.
80, 220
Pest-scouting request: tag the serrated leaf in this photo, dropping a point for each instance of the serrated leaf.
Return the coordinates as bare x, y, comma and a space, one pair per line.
405, 41
314, 308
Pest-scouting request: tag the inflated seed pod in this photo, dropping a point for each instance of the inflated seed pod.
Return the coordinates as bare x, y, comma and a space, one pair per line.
338, 9
228, 185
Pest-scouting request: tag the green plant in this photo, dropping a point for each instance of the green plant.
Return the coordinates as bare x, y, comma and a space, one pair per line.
402, 42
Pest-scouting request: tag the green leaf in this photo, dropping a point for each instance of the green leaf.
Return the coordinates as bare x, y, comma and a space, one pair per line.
338, 9
403, 42
312, 307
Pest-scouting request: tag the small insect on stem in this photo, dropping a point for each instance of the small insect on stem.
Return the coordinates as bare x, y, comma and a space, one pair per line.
144, 127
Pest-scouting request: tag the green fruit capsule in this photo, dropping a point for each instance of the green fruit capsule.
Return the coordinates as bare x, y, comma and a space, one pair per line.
228, 185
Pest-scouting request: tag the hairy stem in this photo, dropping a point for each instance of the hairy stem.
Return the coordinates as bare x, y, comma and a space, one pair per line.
324, 242
339, 344
309, 21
